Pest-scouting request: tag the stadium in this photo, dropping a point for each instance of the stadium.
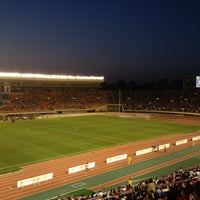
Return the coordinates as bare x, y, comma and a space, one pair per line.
69, 137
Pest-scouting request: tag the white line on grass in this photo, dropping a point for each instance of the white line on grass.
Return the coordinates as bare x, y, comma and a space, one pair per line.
77, 185
29, 130
73, 131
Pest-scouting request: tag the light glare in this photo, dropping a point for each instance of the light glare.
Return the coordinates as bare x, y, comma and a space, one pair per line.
45, 76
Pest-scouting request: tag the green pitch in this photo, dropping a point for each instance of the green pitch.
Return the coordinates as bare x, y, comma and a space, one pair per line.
26, 142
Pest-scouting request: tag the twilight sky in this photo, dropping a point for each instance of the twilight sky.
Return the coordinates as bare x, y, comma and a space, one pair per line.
120, 39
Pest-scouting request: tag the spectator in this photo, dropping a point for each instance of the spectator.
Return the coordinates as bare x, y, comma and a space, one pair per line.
151, 186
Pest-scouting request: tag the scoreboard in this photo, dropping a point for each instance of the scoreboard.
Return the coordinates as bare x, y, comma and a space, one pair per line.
191, 82
198, 81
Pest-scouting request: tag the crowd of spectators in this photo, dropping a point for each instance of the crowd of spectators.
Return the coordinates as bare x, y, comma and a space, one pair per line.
185, 100
49, 99
46, 99
180, 185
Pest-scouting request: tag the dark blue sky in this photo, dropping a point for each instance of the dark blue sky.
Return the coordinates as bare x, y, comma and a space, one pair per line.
119, 39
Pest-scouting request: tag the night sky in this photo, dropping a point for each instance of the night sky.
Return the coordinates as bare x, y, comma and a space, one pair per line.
131, 40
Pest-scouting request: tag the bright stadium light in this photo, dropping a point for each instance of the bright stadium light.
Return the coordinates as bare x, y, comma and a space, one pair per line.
45, 76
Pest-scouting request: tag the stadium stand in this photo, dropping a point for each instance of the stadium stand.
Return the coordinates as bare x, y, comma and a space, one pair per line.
43, 99
51, 99
183, 100
18, 95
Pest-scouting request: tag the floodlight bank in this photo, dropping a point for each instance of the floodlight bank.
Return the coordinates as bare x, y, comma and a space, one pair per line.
52, 76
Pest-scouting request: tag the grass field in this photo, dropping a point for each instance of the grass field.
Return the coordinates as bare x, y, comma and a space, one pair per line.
25, 142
